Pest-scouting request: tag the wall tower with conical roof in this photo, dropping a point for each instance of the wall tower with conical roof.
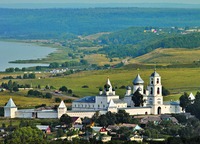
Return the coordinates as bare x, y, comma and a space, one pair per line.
62, 109
10, 109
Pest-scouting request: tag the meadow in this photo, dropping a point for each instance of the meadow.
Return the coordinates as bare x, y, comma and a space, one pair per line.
175, 80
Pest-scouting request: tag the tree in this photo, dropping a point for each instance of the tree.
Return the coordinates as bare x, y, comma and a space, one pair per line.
70, 91
27, 135
48, 95
15, 89
66, 119
10, 85
60, 133
57, 100
63, 89
103, 120
38, 68
31, 76
84, 62
10, 70
137, 98
17, 69
165, 91
31, 92
123, 117
23, 69
194, 108
184, 101
25, 76
54, 65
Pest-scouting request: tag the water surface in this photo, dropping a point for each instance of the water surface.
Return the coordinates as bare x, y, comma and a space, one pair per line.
11, 51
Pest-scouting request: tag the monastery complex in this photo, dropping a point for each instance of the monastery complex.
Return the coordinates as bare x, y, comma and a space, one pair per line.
105, 101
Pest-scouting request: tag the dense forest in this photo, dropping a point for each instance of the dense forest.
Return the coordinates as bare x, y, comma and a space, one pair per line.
66, 23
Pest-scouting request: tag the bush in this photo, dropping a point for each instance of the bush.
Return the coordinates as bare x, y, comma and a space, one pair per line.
68, 101
48, 95
122, 87
57, 100
85, 86
70, 91
15, 89
63, 89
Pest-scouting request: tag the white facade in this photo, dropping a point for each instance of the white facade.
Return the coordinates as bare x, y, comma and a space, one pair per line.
108, 101
104, 101
152, 95
11, 111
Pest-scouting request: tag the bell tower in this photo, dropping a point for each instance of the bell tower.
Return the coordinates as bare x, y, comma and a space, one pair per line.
155, 90
155, 98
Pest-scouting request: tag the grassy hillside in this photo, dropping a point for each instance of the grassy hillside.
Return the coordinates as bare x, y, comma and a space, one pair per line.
169, 56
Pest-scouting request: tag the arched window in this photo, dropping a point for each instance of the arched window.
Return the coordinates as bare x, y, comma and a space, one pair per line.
158, 91
151, 90
157, 80
151, 80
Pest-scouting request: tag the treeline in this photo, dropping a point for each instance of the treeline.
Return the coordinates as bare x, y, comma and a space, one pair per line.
11, 69
25, 76
36, 93
68, 64
14, 86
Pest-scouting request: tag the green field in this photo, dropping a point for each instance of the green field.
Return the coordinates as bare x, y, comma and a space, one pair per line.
21, 100
175, 80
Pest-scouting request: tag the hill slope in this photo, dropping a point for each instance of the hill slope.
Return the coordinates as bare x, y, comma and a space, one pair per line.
169, 56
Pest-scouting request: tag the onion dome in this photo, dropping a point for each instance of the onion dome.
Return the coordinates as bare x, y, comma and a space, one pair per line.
128, 88
138, 80
155, 74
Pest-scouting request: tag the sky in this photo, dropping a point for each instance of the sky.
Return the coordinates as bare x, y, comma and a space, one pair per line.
100, 1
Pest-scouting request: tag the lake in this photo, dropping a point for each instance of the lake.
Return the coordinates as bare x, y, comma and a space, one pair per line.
11, 51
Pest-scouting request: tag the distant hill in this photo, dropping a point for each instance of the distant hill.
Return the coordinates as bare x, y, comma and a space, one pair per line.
60, 23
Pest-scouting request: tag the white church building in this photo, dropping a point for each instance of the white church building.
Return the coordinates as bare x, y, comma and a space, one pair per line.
107, 100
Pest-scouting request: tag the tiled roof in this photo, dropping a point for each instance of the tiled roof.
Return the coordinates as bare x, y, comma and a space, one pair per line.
88, 99
118, 101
